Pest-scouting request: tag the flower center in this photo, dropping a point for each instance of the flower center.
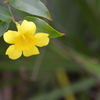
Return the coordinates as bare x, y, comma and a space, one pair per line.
24, 38
25, 41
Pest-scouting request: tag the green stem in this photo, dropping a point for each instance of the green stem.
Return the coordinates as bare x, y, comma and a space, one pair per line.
13, 19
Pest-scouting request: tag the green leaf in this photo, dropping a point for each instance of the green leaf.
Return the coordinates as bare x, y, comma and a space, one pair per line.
34, 7
42, 26
3, 27
5, 15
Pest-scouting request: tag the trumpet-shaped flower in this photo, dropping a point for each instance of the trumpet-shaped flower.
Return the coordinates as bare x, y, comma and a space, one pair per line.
24, 41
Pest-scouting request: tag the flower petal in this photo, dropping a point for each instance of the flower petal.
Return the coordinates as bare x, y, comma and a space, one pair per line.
27, 27
32, 51
25, 41
13, 52
10, 36
17, 25
41, 39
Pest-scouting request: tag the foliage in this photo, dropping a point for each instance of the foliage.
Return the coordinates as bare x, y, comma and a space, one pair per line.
69, 67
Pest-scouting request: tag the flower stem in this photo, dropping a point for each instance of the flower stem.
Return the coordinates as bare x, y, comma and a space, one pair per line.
7, 1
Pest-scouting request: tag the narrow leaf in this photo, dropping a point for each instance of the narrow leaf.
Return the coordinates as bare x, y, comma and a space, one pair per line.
77, 87
3, 27
34, 7
5, 15
42, 26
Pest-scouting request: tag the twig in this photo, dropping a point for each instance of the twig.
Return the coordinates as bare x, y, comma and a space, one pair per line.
7, 1
22, 73
76, 59
7, 90
37, 65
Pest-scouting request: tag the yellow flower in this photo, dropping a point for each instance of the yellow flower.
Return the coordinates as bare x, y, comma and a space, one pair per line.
24, 40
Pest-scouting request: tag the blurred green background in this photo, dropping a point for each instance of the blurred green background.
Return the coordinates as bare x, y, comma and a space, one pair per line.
68, 68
